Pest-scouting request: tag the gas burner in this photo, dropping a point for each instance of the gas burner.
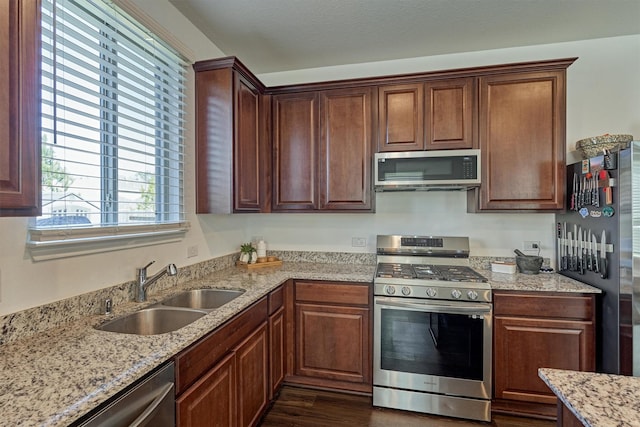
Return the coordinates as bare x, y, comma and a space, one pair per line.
395, 270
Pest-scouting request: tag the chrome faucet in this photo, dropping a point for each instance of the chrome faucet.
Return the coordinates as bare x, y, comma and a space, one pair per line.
144, 282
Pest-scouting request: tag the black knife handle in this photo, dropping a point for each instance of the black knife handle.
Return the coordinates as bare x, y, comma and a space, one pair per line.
603, 268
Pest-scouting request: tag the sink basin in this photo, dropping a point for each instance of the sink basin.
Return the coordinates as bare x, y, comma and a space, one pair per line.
152, 321
203, 299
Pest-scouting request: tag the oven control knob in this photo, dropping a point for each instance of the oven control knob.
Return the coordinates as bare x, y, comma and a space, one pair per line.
406, 290
456, 294
390, 290
431, 292
472, 295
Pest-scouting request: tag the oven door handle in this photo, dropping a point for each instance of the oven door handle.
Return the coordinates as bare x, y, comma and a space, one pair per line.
467, 308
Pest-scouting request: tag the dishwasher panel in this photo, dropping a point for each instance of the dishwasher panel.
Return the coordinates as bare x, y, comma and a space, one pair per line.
149, 403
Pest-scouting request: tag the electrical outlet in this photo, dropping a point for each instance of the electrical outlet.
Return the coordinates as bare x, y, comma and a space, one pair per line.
531, 245
192, 251
358, 242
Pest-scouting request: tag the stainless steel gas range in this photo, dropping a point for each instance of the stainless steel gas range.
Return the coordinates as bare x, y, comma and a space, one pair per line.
432, 328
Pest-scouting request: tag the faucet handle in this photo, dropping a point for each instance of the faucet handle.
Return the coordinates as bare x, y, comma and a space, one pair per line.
148, 265
172, 270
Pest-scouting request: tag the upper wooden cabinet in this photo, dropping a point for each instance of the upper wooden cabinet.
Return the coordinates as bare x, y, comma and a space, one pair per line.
450, 113
522, 140
322, 148
295, 146
20, 166
232, 144
345, 149
435, 115
401, 117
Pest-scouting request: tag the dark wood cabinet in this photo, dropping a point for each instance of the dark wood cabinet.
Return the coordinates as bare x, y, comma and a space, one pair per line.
277, 340
431, 115
522, 140
345, 150
538, 330
20, 168
252, 377
295, 146
212, 399
322, 147
401, 117
333, 336
450, 113
232, 144
223, 378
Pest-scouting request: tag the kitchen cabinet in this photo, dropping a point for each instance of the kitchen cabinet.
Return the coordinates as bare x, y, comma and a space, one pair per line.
332, 335
295, 144
232, 144
522, 140
401, 117
432, 115
538, 330
322, 144
277, 341
20, 167
223, 378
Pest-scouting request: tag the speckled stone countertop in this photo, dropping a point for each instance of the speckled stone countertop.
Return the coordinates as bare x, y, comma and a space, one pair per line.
56, 376
597, 400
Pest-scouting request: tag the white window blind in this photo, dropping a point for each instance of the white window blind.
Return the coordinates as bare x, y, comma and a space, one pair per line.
113, 119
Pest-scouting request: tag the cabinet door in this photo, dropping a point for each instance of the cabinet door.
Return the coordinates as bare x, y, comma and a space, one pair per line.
401, 117
276, 351
450, 113
522, 139
20, 108
246, 155
345, 149
332, 342
295, 124
523, 345
252, 382
211, 401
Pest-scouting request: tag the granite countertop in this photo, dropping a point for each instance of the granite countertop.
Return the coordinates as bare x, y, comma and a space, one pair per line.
56, 376
597, 400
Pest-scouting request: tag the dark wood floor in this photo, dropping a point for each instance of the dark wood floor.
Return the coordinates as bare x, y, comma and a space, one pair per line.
302, 407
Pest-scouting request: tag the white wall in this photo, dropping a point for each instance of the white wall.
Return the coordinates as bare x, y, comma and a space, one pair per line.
603, 93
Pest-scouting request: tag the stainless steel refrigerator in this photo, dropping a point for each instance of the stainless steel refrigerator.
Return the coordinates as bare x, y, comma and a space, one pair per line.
603, 204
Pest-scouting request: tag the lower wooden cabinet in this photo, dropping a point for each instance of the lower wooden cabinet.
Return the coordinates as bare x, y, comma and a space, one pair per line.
538, 330
212, 400
277, 351
333, 335
222, 380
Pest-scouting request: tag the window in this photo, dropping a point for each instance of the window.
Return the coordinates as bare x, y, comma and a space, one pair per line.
113, 123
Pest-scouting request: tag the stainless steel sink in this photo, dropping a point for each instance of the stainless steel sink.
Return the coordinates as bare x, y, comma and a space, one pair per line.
203, 299
152, 321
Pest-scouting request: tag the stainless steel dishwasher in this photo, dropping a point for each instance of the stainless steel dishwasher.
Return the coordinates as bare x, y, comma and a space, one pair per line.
148, 403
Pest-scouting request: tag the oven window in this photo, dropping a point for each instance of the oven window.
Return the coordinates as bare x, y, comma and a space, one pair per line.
448, 345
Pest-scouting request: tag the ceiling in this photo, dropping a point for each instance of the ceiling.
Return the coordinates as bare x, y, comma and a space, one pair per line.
279, 35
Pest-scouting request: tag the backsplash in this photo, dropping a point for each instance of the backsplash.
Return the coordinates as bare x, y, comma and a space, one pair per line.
28, 322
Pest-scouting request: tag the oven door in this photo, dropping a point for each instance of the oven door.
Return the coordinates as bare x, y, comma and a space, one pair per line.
433, 346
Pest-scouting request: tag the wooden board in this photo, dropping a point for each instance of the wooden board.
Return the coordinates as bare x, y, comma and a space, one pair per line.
275, 263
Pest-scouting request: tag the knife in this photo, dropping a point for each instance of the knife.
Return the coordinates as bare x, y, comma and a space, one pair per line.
583, 249
565, 262
574, 251
587, 242
579, 250
559, 249
569, 250
594, 243
596, 192
575, 193
603, 256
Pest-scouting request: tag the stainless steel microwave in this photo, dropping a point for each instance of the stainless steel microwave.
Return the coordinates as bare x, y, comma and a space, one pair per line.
427, 170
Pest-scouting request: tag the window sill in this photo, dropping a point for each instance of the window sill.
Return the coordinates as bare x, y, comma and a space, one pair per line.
46, 244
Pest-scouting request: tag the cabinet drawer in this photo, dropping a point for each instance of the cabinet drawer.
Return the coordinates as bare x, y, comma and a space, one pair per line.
193, 362
276, 299
543, 305
334, 293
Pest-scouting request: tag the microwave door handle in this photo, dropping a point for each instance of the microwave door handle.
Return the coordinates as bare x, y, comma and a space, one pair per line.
437, 308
